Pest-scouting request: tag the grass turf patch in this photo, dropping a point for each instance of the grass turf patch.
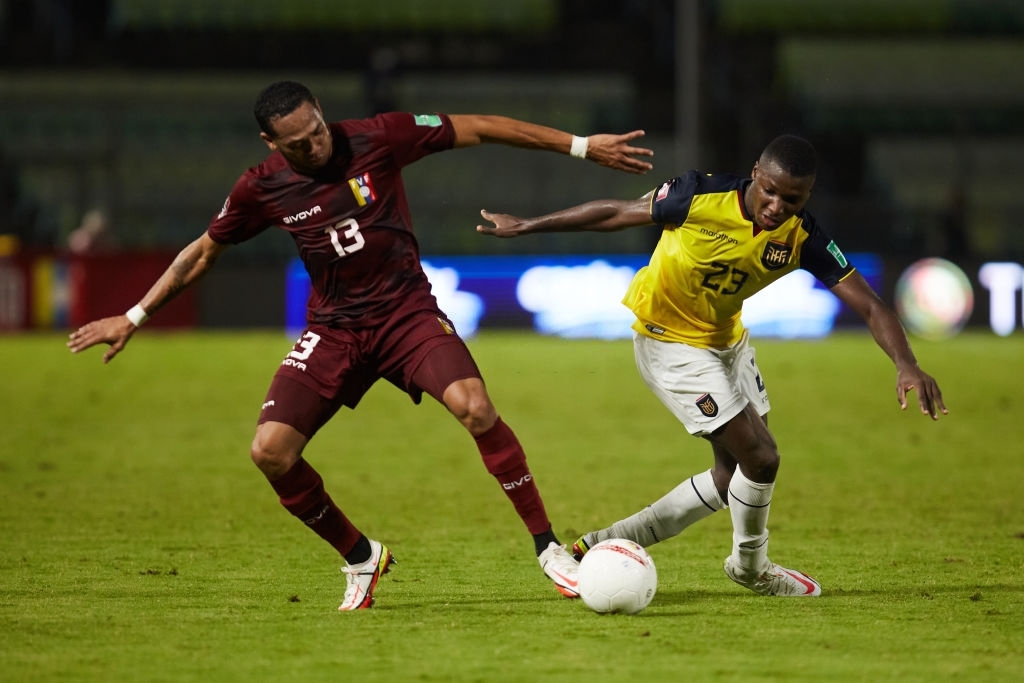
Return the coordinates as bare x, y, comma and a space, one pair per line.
139, 542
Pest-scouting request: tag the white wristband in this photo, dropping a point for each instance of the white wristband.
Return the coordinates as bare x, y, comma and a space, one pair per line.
579, 147
137, 314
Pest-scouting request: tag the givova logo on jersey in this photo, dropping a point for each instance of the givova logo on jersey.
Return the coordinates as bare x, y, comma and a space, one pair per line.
776, 255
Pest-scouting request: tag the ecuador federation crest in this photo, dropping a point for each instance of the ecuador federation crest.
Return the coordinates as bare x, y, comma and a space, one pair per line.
776, 255
707, 405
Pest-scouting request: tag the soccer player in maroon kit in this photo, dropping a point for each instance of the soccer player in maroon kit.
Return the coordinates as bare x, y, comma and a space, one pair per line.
337, 189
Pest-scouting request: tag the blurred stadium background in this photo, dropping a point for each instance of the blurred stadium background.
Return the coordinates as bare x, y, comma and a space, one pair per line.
139, 111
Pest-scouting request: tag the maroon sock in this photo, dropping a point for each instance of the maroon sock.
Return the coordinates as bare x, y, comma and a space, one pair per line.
301, 491
504, 458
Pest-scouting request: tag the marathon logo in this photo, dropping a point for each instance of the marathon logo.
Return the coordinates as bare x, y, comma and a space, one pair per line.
776, 255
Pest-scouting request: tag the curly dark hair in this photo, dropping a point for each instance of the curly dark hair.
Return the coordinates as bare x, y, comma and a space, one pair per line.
279, 99
793, 154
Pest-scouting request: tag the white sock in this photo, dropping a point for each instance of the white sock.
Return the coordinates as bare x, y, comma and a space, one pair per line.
749, 503
686, 504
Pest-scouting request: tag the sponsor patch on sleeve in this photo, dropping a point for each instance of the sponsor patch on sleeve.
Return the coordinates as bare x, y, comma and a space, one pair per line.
833, 249
431, 120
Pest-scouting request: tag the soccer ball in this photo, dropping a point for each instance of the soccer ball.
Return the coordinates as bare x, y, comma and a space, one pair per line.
617, 576
934, 298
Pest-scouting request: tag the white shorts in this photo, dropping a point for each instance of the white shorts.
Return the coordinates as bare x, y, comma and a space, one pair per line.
704, 388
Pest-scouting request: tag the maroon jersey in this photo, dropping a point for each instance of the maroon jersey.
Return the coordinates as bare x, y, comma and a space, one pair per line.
350, 221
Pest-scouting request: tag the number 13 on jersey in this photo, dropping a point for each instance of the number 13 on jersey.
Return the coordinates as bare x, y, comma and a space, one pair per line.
345, 236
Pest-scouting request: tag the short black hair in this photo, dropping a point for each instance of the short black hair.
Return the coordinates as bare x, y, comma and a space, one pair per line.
279, 99
793, 154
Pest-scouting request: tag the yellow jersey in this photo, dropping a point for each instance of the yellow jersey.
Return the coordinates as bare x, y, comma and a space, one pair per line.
711, 257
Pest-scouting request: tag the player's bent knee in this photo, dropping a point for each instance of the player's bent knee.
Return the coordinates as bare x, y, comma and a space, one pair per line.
274, 456
761, 464
479, 418
471, 406
262, 457
257, 453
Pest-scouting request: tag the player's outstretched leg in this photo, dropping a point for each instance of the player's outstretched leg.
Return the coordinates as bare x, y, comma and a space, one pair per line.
686, 504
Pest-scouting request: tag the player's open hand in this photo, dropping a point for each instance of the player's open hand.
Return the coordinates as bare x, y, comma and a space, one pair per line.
615, 151
115, 331
504, 225
929, 396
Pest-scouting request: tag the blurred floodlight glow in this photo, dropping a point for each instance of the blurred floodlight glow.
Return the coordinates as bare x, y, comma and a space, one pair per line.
579, 296
464, 308
791, 307
578, 301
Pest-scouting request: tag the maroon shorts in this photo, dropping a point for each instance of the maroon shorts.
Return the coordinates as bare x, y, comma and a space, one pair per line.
329, 368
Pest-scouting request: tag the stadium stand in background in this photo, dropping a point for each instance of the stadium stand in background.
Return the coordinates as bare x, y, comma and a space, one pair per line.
917, 107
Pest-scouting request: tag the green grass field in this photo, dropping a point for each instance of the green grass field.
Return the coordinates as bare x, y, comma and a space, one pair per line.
139, 543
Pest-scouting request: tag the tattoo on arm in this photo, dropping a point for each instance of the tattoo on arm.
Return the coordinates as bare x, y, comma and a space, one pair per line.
186, 268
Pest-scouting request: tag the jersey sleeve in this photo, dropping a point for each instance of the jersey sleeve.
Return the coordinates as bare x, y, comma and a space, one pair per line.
672, 199
237, 220
413, 136
821, 256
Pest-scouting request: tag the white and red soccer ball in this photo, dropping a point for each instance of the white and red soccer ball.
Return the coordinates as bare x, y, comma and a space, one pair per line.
617, 576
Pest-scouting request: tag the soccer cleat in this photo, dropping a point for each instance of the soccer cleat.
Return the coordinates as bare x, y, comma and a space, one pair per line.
362, 578
580, 547
775, 580
559, 566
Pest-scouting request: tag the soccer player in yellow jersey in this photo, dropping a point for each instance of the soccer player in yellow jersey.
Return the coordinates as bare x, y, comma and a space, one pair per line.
723, 239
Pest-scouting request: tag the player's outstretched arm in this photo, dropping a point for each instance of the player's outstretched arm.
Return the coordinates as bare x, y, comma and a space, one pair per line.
603, 215
613, 151
188, 266
889, 334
